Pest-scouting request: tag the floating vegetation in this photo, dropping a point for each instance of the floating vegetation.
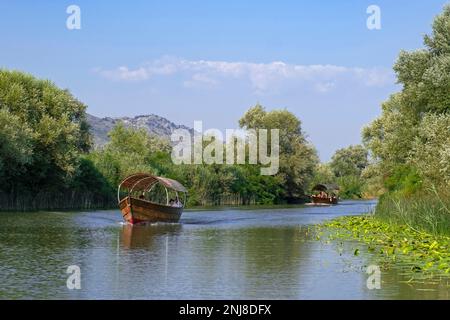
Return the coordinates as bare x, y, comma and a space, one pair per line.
419, 253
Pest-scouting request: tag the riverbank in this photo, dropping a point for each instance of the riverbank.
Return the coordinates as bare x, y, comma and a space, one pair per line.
426, 210
419, 253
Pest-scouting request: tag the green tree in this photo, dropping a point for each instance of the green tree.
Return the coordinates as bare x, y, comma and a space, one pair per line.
323, 175
298, 158
402, 135
350, 161
15, 145
351, 187
430, 152
129, 151
43, 132
410, 140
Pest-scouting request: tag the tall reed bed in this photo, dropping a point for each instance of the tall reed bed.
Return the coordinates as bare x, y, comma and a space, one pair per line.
425, 211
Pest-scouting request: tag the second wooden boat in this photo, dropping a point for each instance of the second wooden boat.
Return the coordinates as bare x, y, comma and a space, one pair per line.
325, 194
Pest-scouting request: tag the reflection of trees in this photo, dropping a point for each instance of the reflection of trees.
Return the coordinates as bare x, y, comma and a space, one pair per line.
271, 249
35, 250
258, 262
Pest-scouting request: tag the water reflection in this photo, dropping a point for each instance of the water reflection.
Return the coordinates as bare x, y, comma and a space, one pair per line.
228, 254
145, 236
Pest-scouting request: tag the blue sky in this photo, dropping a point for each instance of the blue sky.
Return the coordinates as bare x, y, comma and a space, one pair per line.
211, 60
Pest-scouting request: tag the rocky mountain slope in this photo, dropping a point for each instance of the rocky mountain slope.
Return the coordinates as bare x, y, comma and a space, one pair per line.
99, 127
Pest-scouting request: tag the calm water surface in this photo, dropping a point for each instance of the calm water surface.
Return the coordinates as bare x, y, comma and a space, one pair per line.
224, 254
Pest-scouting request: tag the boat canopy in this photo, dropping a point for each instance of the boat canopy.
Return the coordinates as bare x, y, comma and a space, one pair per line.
326, 187
144, 182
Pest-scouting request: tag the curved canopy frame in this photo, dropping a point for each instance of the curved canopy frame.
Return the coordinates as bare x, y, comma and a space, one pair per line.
145, 182
326, 187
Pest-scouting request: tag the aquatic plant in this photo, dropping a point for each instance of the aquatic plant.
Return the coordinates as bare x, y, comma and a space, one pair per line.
418, 252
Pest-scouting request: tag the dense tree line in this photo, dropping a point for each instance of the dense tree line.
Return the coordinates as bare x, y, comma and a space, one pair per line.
47, 160
133, 150
411, 138
43, 139
410, 141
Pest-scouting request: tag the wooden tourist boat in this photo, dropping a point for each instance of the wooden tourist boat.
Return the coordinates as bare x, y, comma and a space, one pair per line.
137, 208
325, 194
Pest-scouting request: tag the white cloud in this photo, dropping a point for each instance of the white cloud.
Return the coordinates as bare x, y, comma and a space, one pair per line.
324, 87
200, 80
124, 74
263, 77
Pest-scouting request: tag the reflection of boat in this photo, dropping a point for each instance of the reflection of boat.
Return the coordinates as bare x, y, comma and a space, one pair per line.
325, 194
137, 208
143, 236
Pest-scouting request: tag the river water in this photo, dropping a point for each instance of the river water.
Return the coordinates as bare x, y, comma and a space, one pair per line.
211, 254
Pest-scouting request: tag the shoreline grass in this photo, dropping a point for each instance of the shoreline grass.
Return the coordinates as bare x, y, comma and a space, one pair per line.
424, 212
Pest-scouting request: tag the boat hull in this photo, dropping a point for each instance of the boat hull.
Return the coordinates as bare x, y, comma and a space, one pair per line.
329, 200
136, 211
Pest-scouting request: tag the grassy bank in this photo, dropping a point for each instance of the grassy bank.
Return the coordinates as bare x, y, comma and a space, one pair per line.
418, 251
429, 212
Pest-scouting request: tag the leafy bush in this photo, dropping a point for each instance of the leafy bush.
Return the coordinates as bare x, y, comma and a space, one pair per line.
404, 179
351, 187
43, 132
